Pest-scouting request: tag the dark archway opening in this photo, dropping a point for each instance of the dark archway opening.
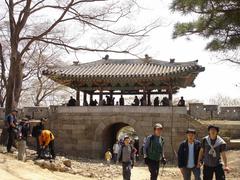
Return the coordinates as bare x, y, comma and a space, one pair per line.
115, 132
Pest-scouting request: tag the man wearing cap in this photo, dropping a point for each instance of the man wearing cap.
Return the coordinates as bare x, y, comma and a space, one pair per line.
11, 124
212, 150
188, 156
153, 151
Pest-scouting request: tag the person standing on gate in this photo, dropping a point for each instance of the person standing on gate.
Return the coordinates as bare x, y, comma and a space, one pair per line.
11, 123
115, 151
153, 151
126, 156
213, 148
188, 156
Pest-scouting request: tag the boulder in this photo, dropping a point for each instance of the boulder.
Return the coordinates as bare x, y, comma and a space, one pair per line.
67, 163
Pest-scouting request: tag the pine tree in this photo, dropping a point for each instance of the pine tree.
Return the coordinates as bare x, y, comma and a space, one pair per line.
218, 20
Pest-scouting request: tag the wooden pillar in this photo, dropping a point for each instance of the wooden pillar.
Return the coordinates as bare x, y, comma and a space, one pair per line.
100, 97
78, 98
144, 97
170, 96
111, 94
84, 98
149, 98
90, 98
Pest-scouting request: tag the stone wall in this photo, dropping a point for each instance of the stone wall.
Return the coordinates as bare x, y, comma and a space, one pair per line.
202, 111
88, 131
34, 112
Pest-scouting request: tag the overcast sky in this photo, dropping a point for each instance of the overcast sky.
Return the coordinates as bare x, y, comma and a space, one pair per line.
218, 78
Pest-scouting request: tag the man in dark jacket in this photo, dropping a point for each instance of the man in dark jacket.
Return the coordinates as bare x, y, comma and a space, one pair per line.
188, 156
11, 123
36, 132
153, 151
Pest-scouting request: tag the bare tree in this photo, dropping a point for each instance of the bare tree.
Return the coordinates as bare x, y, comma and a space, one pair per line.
224, 100
35, 85
102, 16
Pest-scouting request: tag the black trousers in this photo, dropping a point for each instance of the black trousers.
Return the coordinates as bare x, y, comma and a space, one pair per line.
126, 167
209, 171
11, 137
4, 136
153, 167
38, 146
52, 149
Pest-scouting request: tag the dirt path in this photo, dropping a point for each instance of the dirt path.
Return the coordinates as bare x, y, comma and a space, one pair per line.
11, 169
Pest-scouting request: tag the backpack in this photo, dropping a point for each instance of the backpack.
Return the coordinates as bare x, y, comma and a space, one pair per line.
21, 131
18, 132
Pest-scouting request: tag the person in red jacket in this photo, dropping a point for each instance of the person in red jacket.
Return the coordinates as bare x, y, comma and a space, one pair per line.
46, 139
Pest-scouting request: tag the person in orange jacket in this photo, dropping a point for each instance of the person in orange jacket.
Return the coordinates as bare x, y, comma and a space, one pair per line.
46, 139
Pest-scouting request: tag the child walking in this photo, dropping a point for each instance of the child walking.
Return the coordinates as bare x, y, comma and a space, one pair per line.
108, 156
126, 156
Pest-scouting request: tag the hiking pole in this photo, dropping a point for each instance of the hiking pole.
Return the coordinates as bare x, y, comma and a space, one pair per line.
162, 170
164, 162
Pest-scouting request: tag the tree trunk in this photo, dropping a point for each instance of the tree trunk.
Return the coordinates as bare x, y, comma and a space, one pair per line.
14, 83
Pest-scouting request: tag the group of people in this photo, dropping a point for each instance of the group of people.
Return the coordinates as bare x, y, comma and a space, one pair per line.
110, 101
192, 155
19, 131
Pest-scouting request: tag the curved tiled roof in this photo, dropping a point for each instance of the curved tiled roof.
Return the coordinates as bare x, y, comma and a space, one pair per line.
124, 68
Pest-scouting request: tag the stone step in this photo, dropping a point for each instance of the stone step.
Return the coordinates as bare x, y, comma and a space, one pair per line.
234, 144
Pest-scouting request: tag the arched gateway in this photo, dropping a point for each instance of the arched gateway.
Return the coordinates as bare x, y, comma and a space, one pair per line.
88, 130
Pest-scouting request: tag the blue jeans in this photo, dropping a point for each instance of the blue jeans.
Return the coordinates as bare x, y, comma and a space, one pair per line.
188, 171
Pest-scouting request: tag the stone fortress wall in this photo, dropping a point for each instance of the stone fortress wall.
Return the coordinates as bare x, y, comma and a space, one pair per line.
88, 131
208, 112
196, 110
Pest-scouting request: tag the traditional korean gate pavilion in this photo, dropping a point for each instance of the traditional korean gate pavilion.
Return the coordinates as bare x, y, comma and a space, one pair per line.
89, 131
126, 76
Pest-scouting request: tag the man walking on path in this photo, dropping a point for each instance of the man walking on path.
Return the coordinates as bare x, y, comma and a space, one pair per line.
126, 156
115, 151
188, 156
153, 151
11, 124
213, 148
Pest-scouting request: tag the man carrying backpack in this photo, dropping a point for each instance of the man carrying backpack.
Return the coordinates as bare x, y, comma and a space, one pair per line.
36, 132
11, 125
23, 132
213, 148
126, 156
153, 151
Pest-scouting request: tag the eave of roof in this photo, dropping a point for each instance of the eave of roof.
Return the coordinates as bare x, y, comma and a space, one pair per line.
122, 68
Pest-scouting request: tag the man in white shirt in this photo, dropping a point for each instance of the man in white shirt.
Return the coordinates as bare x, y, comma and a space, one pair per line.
188, 156
115, 151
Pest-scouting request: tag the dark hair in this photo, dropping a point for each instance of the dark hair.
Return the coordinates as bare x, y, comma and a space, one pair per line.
213, 127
